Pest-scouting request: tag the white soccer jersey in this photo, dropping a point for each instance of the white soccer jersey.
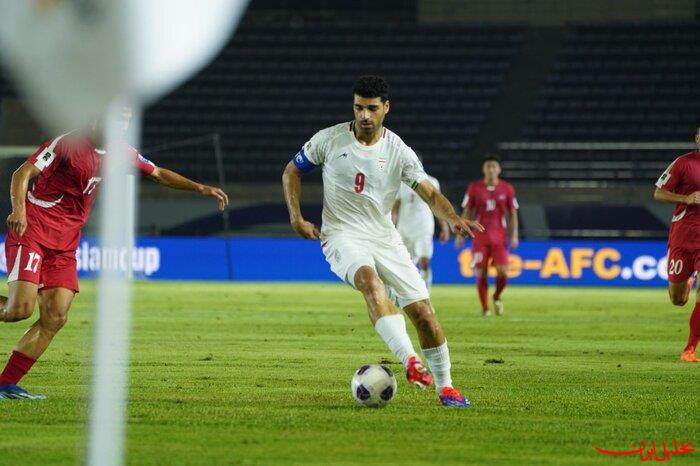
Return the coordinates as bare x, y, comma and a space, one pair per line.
359, 182
415, 217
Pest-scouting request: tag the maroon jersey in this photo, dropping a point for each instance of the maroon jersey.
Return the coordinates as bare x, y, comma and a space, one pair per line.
683, 177
491, 203
59, 203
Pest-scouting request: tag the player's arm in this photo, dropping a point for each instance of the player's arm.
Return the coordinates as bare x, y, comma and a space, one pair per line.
291, 184
395, 211
513, 228
468, 210
467, 214
669, 181
17, 220
174, 180
443, 210
512, 218
444, 235
662, 195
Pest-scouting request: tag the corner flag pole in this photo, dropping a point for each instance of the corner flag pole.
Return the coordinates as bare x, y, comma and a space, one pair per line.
130, 204
111, 361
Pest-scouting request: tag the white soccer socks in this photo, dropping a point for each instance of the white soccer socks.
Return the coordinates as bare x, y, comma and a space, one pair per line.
392, 329
438, 360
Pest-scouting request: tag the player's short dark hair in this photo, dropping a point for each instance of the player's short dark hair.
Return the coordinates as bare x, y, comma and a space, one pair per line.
492, 158
371, 86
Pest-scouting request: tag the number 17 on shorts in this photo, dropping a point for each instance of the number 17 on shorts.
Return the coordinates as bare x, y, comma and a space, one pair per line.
23, 263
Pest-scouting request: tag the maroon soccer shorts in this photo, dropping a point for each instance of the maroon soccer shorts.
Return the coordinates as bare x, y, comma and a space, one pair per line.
29, 261
483, 252
682, 263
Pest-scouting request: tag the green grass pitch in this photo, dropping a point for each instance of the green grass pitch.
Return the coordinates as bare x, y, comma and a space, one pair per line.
259, 374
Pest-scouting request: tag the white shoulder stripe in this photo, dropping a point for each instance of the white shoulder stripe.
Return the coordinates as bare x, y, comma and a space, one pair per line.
48, 156
666, 175
41, 203
679, 216
52, 146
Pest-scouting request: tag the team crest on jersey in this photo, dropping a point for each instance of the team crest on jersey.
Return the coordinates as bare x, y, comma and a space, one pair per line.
381, 163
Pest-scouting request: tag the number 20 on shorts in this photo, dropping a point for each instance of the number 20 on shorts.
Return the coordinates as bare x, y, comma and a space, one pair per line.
675, 266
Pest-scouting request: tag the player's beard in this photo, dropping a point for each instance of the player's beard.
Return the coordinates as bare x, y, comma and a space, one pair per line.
368, 127
371, 130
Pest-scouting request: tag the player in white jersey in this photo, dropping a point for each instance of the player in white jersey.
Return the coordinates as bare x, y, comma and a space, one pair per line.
363, 166
416, 224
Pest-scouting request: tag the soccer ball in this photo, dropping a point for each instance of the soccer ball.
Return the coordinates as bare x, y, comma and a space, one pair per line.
373, 385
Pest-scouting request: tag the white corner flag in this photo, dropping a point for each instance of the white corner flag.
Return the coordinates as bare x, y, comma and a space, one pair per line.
75, 61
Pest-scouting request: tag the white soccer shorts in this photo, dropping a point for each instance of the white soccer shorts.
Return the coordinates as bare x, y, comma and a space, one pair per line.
388, 257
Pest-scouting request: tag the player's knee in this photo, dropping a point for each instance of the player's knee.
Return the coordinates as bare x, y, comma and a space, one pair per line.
54, 320
375, 290
423, 316
19, 310
678, 294
367, 281
678, 300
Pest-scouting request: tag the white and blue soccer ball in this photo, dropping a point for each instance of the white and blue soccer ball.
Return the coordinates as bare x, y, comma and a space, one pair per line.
373, 385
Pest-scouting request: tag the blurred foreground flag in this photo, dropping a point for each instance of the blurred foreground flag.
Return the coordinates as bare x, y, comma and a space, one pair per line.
78, 60
172, 39
67, 58
71, 58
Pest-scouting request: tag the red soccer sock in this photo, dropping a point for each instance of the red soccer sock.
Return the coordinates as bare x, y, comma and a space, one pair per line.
694, 335
482, 286
500, 284
17, 367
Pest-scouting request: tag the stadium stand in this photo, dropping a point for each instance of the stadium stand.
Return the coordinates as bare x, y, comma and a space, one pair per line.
277, 82
614, 83
274, 86
621, 82
587, 163
281, 78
